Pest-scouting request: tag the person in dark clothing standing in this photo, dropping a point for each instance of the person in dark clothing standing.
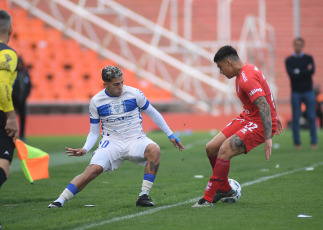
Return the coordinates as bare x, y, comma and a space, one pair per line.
300, 68
20, 93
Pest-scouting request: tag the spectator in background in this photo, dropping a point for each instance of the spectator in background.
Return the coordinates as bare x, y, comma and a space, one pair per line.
8, 123
20, 93
300, 68
319, 104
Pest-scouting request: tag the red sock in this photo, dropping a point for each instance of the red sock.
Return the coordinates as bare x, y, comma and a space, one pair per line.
218, 180
212, 160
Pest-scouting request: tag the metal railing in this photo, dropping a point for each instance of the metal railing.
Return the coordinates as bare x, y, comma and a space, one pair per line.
156, 53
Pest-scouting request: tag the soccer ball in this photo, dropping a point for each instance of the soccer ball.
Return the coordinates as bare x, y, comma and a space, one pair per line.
237, 188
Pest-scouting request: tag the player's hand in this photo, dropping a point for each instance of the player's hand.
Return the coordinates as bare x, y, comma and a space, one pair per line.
75, 152
176, 142
268, 146
279, 129
12, 125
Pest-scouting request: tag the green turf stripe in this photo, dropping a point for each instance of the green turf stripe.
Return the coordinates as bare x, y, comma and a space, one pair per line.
56, 158
259, 180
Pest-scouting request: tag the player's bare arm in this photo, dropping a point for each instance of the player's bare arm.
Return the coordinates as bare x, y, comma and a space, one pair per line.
264, 112
177, 144
12, 125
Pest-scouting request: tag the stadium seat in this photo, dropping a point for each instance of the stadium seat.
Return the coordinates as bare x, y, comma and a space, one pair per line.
60, 68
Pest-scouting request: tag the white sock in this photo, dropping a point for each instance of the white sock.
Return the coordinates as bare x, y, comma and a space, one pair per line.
65, 196
145, 188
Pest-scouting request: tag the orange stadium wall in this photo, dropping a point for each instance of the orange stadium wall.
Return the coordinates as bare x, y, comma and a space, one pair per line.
80, 125
279, 14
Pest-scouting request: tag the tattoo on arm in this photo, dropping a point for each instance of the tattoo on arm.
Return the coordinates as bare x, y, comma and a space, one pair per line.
236, 144
265, 115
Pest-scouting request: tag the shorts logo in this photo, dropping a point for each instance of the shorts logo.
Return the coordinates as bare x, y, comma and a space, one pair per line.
6, 152
255, 91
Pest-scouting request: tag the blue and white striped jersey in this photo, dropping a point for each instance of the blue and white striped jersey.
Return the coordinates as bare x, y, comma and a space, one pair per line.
120, 116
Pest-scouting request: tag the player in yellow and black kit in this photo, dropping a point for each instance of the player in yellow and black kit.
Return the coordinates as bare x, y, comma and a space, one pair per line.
8, 73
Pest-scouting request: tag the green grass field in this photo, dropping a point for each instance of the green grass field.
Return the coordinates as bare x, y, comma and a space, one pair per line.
273, 193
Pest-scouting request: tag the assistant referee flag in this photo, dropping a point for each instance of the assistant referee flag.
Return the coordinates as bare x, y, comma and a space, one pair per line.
34, 161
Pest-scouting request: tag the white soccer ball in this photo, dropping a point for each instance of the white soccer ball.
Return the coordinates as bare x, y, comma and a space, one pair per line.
237, 188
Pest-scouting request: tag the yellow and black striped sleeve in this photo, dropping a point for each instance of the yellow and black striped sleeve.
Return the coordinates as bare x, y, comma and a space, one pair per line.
8, 74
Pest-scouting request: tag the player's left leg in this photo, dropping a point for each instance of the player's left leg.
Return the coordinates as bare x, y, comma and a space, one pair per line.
218, 185
144, 151
152, 155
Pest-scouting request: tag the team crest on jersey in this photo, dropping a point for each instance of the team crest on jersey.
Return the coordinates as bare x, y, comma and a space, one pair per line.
8, 58
117, 108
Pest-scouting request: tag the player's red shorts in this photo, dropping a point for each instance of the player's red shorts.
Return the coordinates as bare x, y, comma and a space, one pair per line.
250, 132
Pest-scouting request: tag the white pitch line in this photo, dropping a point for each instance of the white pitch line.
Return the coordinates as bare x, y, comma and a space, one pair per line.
262, 179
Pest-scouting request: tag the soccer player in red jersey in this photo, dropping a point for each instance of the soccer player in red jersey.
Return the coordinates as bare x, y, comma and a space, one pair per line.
255, 125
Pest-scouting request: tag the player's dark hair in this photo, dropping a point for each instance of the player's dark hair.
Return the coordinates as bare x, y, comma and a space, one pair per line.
5, 21
226, 52
110, 72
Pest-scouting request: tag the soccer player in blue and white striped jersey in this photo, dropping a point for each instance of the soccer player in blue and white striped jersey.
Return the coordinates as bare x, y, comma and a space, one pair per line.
118, 108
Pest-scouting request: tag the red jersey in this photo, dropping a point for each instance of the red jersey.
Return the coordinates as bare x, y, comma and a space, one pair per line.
251, 84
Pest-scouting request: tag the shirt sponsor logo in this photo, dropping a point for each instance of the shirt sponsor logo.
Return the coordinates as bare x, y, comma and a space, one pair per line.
255, 91
244, 77
126, 118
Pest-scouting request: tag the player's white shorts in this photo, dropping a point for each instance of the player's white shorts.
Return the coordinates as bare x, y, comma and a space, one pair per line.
112, 152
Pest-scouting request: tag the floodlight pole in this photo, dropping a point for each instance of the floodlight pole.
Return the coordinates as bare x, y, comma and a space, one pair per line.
297, 18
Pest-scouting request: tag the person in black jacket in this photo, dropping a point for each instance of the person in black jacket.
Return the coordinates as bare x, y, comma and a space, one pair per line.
300, 68
20, 93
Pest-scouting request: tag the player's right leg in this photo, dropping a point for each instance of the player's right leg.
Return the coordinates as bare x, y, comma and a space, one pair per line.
213, 146
77, 185
100, 162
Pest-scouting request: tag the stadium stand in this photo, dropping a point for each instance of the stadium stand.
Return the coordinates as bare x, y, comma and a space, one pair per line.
61, 70
67, 69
